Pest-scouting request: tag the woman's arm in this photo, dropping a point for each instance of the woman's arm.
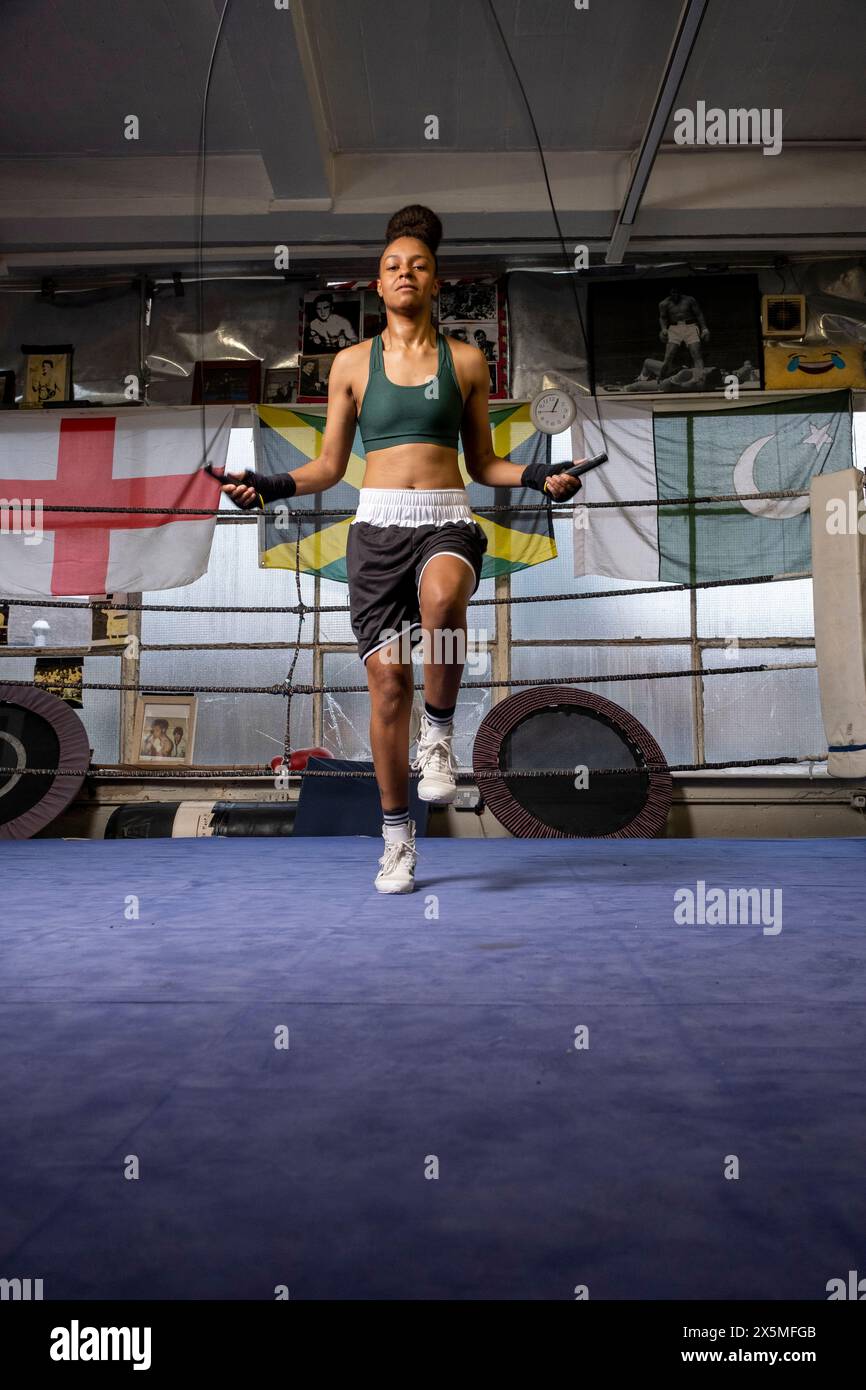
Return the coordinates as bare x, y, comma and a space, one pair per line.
321, 472
330, 465
482, 463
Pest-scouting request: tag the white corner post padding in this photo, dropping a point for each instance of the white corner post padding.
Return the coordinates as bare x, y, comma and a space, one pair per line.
838, 578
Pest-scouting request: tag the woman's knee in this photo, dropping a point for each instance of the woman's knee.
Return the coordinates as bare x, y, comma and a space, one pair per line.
390, 685
442, 607
444, 594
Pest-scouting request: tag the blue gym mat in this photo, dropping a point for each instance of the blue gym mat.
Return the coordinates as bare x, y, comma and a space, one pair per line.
436, 1027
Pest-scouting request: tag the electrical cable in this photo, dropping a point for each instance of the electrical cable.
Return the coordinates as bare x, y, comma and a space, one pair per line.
570, 270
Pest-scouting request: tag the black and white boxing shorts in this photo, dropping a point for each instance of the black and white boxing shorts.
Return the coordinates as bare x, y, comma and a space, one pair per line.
394, 534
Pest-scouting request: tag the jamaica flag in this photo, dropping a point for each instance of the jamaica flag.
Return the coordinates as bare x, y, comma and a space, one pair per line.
285, 437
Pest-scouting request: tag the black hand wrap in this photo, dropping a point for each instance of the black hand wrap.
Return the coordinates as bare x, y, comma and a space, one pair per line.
535, 475
268, 488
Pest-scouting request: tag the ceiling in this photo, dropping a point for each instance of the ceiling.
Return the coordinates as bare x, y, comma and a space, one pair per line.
318, 116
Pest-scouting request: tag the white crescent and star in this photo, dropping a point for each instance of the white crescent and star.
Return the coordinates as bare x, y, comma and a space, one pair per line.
818, 435
773, 508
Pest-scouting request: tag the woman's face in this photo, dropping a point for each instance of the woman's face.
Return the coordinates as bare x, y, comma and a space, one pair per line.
406, 276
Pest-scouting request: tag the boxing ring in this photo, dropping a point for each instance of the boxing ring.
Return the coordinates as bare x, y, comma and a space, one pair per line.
413, 1039
233, 1067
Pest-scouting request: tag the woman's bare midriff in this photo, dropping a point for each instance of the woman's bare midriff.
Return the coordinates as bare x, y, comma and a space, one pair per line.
425, 466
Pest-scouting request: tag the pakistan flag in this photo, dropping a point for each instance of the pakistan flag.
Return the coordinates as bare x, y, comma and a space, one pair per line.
741, 450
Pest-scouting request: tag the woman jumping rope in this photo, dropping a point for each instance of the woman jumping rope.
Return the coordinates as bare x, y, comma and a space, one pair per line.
414, 552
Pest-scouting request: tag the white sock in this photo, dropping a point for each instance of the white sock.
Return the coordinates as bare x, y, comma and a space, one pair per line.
398, 833
444, 727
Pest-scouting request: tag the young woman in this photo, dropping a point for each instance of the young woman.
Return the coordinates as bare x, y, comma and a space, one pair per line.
414, 553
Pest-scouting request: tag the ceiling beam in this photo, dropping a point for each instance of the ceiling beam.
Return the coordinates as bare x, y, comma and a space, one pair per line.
268, 48
688, 25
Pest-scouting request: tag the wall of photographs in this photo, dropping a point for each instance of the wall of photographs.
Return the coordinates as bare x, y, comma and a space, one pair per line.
274, 339
691, 334
792, 327
472, 310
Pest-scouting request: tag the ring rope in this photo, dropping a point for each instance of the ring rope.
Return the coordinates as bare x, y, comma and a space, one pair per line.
720, 642
561, 509
465, 685
107, 772
303, 608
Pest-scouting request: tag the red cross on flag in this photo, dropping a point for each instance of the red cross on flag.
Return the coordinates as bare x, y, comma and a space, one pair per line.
145, 457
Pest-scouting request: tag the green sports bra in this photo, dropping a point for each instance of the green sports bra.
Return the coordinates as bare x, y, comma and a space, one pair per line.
426, 414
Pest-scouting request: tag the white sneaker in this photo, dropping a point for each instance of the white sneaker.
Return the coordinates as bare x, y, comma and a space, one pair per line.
435, 762
397, 872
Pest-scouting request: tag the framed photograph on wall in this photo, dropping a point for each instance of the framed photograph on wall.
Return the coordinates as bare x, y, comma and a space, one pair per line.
281, 385
331, 321
109, 627
47, 373
466, 300
473, 311
313, 378
227, 382
61, 676
676, 335
164, 730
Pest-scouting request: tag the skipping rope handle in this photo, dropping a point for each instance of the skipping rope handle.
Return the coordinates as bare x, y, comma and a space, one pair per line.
535, 475
268, 489
586, 466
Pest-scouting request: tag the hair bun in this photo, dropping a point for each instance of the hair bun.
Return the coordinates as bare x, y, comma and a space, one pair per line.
417, 221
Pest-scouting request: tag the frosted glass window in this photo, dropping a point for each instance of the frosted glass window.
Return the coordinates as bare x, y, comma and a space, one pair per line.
645, 615
783, 609
240, 456
481, 615
768, 714
234, 579
100, 714
334, 627
346, 717
237, 728
859, 430
68, 627
16, 668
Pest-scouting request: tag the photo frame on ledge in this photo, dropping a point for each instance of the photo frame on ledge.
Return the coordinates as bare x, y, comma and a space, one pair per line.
227, 381
109, 626
164, 730
47, 373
